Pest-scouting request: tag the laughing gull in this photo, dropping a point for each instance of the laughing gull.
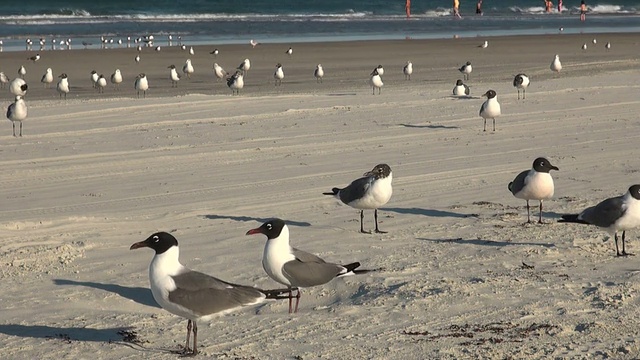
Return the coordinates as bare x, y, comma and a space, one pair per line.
215, 52
101, 83
244, 66
584, 46
466, 70
34, 58
18, 87
47, 78
607, 46
173, 76
219, 71
484, 45
319, 73
293, 267
193, 295
187, 68
278, 75
63, 85
116, 79
289, 51
521, 82
620, 213
141, 84
556, 66
490, 109
534, 184
94, 78
461, 89
408, 70
22, 71
371, 191
17, 112
236, 82
380, 70
4, 80
376, 81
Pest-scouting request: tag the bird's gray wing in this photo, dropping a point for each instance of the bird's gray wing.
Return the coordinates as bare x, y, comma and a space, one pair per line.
305, 256
605, 213
10, 111
466, 89
306, 274
204, 294
519, 182
356, 189
482, 108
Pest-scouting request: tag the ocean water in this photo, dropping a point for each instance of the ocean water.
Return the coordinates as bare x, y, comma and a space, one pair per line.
237, 21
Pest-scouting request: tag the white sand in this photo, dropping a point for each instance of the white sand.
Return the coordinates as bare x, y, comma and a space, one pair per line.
91, 177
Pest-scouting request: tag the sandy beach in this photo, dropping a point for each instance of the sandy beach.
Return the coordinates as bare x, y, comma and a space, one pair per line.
460, 276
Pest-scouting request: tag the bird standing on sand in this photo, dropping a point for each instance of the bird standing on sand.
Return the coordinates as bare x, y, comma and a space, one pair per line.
173, 76
4, 80
17, 111
116, 79
22, 71
34, 58
47, 78
141, 84
534, 184
253, 43
318, 73
18, 87
408, 70
376, 81
244, 66
137, 59
380, 70
63, 85
278, 74
490, 109
187, 68
289, 51
236, 82
607, 46
521, 82
219, 71
191, 51
461, 89
620, 213
193, 295
101, 83
371, 191
293, 267
215, 52
484, 45
466, 70
556, 65
94, 78
584, 46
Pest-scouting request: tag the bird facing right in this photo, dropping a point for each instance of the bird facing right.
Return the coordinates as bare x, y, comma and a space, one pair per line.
461, 89
490, 109
376, 81
318, 73
556, 65
17, 111
407, 70
534, 184
371, 191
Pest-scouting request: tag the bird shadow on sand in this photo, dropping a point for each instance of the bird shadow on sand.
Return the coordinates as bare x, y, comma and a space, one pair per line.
429, 126
68, 334
138, 294
483, 242
342, 94
429, 212
464, 97
249, 218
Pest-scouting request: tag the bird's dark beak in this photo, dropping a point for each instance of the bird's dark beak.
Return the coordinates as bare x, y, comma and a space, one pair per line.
554, 168
139, 245
254, 231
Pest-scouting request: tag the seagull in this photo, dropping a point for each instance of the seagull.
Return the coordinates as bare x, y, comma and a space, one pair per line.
461, 89
376, 81
236, 82
22, 71
371, 191
191, 50
94, 78
253, 43
318, 73
137, 59
187, 68
561, 29
408, 70
279, 74
244, 66
215, 52
158, 48
490, 109
17, 111
289, 51
4, 80
18, 87
63, 85
584, 46
380, 70
173, 76
293, 267
34, 58
191, 294
219, 71
620, 213
594, 41
139, 48
534, 184
47, 78
183, 47
521, 81
101, 83
484, 45
607, 46
116, 79
466, 70
141, 84
555, 64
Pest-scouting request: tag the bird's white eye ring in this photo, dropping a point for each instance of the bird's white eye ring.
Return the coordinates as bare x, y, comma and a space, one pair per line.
156, 238
269, 226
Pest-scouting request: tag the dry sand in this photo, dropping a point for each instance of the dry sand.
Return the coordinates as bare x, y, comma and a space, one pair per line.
97, 172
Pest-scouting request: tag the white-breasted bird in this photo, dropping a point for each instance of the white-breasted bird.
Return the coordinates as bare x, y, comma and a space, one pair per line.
101, 83
380, 70
289, 51
141, 84
484, 45
556, 65
318, 73
94, 78
17, 112
236, 82
490, 109
376, 81
466, 70
534, 184
4, 80
47, 78
116, 79
253, 43
63, 85
191, 51
521, 82
607, 46
18, 87
407, 70
461, 89
278, 75
187, 68
219, 71
584, 46
22, 71
244, 66
34, 58
173, 75
293, 267
215, 52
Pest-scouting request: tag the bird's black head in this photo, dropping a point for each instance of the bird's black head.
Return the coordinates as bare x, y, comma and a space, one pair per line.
24, 87
271, 229
171, 67
160, 242
468, 62
543, 165
490, 94
459, 83
634, 190
380, 171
